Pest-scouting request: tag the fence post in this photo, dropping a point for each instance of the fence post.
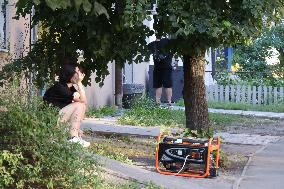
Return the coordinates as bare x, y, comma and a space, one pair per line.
253, 95
270, 97
243, 98
232, 87
259, 95
238, 93
221, 92
275, 95
265, 95
249, 95
227, 93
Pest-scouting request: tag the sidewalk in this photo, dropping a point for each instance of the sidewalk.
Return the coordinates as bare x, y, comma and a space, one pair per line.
265, 170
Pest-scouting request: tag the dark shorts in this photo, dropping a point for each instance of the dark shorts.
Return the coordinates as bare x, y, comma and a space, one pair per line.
162, 78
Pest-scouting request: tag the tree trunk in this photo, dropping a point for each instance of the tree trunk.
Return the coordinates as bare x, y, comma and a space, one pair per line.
196, 108
118, 85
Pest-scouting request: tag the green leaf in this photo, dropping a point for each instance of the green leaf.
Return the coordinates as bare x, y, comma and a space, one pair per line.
52, 4
87, 6
78, 4
37, 2
100, 9
226, 23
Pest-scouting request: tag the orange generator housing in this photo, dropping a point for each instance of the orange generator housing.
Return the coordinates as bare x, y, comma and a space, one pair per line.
188, 157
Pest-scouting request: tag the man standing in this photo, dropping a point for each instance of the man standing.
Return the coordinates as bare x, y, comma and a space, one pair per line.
162, 73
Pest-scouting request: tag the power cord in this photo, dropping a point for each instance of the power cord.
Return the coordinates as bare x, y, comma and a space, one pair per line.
182, 166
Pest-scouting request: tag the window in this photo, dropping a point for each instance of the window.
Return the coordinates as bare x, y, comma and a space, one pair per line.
2, 24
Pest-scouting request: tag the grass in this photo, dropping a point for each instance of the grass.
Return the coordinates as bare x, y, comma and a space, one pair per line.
126, 147
247, 107
146, 113
107, 149
101, 112
242, 106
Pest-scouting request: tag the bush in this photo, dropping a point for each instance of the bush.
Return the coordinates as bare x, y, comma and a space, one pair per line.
34, 151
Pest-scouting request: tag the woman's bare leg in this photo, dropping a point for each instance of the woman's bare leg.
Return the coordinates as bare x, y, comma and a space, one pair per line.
73, 114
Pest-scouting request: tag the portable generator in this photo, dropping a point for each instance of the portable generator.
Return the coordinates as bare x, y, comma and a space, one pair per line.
188, 156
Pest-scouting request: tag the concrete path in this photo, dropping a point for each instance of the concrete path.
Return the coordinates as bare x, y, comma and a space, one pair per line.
265, 170
131, 172
273, 115
106, 127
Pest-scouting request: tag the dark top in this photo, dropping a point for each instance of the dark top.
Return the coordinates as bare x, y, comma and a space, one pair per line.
59, 95
162, 59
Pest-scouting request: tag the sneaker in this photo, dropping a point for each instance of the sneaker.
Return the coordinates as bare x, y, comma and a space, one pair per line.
80, 141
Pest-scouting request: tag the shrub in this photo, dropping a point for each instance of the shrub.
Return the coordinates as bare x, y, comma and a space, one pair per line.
34, 151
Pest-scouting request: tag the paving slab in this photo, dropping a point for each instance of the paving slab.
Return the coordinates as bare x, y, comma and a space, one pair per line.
266, 169
98, 126
249, 139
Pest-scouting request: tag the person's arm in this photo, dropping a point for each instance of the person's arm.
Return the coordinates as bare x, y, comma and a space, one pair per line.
82, 93
81, 97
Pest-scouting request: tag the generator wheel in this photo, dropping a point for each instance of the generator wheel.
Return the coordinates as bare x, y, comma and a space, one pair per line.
213, 172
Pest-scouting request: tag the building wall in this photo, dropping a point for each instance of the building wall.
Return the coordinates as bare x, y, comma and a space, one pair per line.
18, 32
17, 35
101, 96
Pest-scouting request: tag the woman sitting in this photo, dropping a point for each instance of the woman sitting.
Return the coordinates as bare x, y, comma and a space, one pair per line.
69, 95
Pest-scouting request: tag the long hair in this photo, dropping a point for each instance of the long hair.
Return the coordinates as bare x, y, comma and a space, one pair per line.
66, 73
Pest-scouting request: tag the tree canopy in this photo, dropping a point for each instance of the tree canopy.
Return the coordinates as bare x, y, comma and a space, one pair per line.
197, 25
99, 28
252, 59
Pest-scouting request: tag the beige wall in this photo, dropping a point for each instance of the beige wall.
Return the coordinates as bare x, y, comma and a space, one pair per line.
17, 32
102, 96
17, 35
140, 73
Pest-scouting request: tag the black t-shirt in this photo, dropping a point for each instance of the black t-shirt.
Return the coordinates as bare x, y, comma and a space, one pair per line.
59, 95
158, 47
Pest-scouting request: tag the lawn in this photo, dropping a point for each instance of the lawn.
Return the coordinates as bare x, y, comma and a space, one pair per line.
146, 113
243, 106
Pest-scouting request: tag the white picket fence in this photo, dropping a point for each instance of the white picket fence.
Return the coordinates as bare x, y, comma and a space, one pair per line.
245, 94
